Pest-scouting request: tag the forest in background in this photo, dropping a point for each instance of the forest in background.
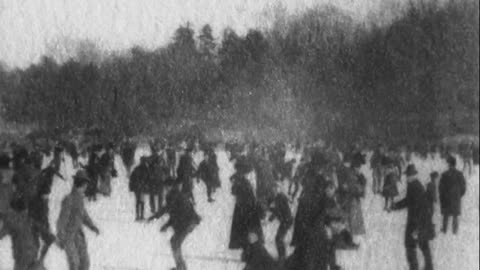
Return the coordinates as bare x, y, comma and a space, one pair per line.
318, 74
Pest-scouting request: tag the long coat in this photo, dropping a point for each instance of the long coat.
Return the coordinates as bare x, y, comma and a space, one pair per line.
246, 214
317, 252
139, 179
25, 247
418, 217
256, 257
265, 179
309, 206
351, 188
451, 189
208, 172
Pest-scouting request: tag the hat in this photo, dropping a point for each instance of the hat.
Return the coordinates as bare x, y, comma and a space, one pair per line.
58, 149
411, 170
243, 166
80, 178
358, 159
451, 161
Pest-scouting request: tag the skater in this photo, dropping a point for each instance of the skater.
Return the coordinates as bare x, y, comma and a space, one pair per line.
451, 189
73, 216
183, 220
138, 185
281, 211
351, 189
158, 174
377, 170
432, 198
107, 170
185, 172
208, 172
256, 257
39, 210
93, 170
418, 230
390, 189
309, 203
17, 223
317, 252
128, 154
246, 214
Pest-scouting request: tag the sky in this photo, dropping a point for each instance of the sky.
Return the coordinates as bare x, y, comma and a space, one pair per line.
32, 28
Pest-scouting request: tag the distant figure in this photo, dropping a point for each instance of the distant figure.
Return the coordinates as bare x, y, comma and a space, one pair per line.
377, 171
390, 190
73, 216
452, 188
418, 231
431, 196
138, 185
351, 189
208, 172
128, 154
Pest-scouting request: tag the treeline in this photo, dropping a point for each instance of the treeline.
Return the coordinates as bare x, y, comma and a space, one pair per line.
316, 74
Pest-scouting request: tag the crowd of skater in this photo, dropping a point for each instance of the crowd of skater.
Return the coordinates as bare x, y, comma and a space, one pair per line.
326, 183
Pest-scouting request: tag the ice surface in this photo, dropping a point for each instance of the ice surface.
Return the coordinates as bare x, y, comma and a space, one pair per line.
126, 245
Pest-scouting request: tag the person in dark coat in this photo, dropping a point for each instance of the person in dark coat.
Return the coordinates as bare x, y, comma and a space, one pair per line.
246, 214
256, 257
309, 203
128, 154
452, 188
265, 179
17, 223
138, 185
431, 197
39, 210
158, 174
208, 172
186, 172
317, 252
377, 170
418, 230
183, 219
281, 210
390, 189
351, 189
107, 170
93, 170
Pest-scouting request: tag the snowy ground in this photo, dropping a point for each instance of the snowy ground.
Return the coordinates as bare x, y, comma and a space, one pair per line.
126, 245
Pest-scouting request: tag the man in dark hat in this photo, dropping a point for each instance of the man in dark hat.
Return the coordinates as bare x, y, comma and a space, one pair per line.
418, 230
451, 189
73, 216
